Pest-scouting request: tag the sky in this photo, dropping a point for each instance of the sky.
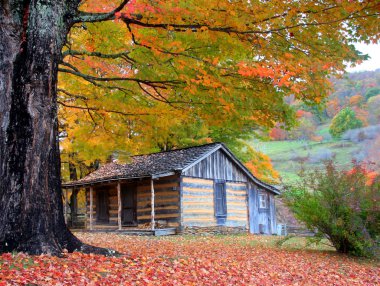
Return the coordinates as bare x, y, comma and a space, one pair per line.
373, 63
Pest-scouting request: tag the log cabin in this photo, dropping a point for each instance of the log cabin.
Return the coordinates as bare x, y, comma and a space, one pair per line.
202, 187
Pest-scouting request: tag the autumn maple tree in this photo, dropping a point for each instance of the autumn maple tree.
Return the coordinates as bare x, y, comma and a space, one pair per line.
345, 120
216, 61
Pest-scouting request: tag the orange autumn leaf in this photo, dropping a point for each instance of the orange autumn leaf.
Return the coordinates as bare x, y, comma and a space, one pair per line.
183, 260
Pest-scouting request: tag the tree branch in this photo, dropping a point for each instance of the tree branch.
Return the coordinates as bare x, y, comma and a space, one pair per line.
175, 54
90, 78
74, 96
228, 30
88, 108
123, 55
99, 17
162, 99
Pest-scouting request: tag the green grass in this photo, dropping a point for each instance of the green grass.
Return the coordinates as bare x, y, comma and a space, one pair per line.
289, 243
289, 157
304, 243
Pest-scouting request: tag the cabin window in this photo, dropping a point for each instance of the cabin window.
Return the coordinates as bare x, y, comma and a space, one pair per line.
220, 200
263, 201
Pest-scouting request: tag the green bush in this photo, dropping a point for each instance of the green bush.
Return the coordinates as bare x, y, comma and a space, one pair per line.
343, 121
342, 206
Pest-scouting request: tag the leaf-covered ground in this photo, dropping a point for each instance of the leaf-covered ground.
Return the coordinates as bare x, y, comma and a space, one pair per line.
184, 260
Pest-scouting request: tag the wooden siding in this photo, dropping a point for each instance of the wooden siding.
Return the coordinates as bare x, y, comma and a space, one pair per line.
197, 202
217, 166
166, 202
261, 220
272, 214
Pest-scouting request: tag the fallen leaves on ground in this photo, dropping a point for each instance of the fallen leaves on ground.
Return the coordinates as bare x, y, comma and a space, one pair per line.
186, 260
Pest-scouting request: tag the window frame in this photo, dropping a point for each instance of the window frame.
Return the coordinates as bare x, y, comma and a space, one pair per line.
223, 212
263, 197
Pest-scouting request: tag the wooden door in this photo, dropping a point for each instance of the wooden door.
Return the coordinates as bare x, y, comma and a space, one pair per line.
102, 206
128, 194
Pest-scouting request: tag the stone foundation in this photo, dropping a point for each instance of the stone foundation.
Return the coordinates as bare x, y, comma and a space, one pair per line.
212, 230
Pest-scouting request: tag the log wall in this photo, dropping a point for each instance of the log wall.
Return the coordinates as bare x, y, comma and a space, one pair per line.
166, 202
197, 202
218, 166
112, 206
198, 207
237, 204
167, 212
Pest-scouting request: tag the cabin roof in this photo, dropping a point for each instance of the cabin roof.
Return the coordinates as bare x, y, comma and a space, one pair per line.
160, 164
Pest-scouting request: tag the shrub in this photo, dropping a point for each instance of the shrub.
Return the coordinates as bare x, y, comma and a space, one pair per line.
340, 206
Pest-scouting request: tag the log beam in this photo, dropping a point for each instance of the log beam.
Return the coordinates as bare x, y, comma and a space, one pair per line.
152, 203
91, 207
119, 206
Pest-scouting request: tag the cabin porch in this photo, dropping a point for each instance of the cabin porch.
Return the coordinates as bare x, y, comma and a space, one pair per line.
148, 205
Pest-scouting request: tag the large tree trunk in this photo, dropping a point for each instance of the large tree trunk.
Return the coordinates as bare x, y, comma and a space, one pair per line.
32, 34
73, 201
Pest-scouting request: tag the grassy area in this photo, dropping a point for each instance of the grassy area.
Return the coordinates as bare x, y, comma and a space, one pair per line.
279, 242
290, 243
289, 157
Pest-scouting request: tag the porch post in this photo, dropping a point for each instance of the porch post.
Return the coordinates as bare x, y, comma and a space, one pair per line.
118, 205
91, 207
152, 202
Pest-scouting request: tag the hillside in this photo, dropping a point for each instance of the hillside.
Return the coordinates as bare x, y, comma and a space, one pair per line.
309, 145
289, 157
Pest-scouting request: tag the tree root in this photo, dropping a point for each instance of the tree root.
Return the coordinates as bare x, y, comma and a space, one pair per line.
58, 244
74, 244
85, 248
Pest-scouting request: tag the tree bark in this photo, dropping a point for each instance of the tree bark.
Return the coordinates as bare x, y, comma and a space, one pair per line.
32, 34
73, 201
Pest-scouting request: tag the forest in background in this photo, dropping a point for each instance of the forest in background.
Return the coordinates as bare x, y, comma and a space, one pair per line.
280, 153
355, 101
